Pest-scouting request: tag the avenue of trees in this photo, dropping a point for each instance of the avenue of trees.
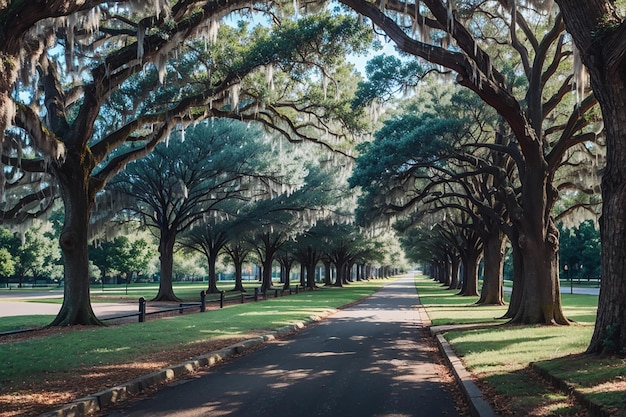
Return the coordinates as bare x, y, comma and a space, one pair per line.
518, 58
536, 114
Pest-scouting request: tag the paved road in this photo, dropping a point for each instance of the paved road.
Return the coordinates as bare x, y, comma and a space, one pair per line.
367, 360
19, 303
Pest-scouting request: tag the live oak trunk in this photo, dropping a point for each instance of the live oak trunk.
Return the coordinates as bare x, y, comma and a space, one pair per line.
469, 286
597, 29
340, 266
455, 282
238, 254
166, 256
310, 275
239, 277
610, 329
518, 280
78, 201
538, 241
287, 276
212, 260
492, 292
444, 273
327, 273
266, 283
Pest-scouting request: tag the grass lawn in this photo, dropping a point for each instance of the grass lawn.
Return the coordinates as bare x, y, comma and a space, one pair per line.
500, 356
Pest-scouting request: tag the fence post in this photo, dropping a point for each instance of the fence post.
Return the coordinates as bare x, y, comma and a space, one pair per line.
256, 294
222, 298
142, 309
180, 311
242, 299
275, 293
297, 286
202, 301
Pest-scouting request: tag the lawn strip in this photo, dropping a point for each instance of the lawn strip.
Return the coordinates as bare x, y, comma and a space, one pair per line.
500, 355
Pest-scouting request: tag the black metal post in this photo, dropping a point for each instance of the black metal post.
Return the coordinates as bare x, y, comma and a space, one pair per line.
142, 310
202, 301
222, 298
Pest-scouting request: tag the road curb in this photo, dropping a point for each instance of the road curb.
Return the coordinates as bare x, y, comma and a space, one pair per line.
122, 392
479, 407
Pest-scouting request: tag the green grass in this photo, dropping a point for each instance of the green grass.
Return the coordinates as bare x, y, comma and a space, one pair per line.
501, 355
445, 307
35, 358
23, 322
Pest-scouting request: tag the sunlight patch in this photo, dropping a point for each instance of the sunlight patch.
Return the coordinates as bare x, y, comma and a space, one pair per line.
325, 354
108, 350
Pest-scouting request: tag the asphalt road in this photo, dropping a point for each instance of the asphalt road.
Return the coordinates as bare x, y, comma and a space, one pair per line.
367, 360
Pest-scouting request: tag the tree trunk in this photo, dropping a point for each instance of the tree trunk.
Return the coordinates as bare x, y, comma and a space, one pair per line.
287, 270
310, 275
212, 259
238, 255
266, 283
327, 272
609, 335
470, 273
455, 282
76, 308
540, 301
446, 278
166, 256
597, 32
340, 266
239, 277
518, 279
492, 292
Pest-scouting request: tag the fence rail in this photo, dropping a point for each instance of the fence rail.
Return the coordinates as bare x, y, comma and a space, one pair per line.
224, 299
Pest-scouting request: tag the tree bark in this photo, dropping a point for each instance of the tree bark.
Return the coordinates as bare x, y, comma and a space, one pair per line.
310, 275
518, 278
166, 252
597, 29
469, 287
212, 260
538, 241
455, 282
492, 292
327, 273
287, 271
239, 277
340, 266
266, 283
78, 201
238, 254
610, 330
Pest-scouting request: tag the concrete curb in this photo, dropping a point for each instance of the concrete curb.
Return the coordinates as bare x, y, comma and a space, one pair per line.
122, 392
479, 407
